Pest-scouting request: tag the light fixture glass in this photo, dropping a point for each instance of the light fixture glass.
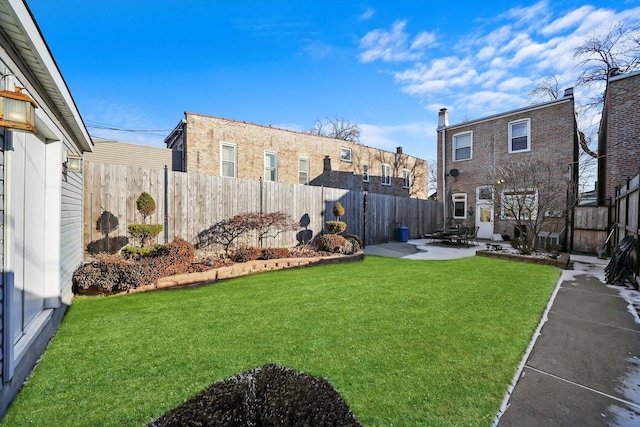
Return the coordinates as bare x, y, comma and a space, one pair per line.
17, 111
74, 163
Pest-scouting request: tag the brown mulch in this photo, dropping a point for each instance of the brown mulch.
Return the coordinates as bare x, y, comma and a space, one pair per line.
270, 395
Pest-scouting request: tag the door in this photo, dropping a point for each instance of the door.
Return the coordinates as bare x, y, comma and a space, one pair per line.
484, 212
27, 205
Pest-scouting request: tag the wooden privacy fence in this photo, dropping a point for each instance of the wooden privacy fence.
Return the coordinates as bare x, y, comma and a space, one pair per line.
627, 205
188, 204
591, 227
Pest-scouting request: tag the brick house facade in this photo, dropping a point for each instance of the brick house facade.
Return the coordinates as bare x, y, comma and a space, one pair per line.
223, 147
619, 135
470, 152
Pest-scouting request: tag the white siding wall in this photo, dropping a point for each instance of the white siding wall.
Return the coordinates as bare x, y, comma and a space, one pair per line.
71, 249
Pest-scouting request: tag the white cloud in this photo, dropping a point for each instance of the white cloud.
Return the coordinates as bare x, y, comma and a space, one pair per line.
367, 14
389, 137
495, 65
317, 50
514, 83
423, 40
569, 20
394, 45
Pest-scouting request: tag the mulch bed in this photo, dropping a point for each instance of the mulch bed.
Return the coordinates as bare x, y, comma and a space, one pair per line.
271, 395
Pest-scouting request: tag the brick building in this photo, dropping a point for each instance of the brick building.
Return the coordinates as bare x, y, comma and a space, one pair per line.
470, 153
619, 135
222, 147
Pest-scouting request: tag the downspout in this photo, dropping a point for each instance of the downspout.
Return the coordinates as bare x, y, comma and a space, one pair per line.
443, 122
444, 179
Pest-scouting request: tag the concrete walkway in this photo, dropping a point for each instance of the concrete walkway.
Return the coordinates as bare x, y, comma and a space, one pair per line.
582, 367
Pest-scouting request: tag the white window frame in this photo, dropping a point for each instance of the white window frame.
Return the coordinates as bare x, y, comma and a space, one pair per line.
269, 168
385, 175
406, 178
516, 122
455, 148
304, 171
235, 159
513, 193
459, 198
365, 172
345, 154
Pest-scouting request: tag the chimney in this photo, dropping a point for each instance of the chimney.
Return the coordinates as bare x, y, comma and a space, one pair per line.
443, 118
327, 164
399, 150
568, 93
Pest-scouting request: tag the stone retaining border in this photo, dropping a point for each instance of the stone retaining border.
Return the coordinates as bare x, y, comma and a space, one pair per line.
561, 262
243, 269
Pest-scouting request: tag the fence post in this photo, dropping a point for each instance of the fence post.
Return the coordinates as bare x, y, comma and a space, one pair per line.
261, 194
166, 203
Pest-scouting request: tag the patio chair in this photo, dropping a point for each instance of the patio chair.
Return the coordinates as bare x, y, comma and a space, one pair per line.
472, 235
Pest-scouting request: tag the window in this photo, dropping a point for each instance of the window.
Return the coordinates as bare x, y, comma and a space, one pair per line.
303, 170
365, 172
228, 159
270, 166
462, 143
345, 154
485, 193
522, 204
519, 136
385, 178
406, 178
460, 206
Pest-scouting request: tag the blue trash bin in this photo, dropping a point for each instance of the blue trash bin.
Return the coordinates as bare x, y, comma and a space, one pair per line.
403, 234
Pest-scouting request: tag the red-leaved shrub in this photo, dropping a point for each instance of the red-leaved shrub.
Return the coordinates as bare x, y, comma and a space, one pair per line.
274, 253
113, 273
245, 254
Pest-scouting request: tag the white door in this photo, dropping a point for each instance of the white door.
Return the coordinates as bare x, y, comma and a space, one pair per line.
27, 202
484, 212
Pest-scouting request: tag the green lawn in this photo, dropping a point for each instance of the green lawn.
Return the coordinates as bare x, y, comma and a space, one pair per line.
405, 342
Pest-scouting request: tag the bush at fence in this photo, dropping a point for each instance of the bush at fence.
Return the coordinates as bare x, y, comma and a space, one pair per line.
334, 243
227, 233
112, 273
246, 254
274, 253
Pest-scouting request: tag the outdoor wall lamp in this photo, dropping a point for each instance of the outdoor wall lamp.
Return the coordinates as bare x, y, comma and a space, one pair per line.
73, 163
17, 111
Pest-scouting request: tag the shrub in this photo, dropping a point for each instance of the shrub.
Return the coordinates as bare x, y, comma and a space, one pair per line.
335, 227
332, 243
108, 273
113, 273
274, 253
354, 237
355, 246
246, 253
146, 205
136, 252
229, 231
144, 232
338, 210
180, 254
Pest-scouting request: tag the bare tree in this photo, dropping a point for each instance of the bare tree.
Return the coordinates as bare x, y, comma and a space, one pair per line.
601, 55
533, 193
432, 176
338, 128
547, 89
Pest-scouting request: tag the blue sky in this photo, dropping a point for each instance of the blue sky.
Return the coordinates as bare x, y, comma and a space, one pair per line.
388, 66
